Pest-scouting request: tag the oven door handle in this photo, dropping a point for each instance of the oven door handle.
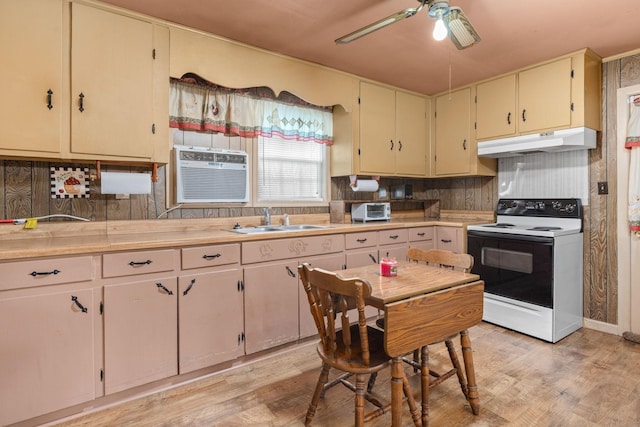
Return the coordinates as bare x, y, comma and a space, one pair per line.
505, 236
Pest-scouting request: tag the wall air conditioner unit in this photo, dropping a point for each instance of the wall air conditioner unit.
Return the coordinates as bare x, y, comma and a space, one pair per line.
211, 175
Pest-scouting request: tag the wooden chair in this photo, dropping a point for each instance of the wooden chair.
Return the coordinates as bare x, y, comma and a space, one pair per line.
351, 348
459, 262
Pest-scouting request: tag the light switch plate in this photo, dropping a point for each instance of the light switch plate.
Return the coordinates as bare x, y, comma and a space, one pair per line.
603, 187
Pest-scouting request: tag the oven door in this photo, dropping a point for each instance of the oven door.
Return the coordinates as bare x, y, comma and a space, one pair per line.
514, 266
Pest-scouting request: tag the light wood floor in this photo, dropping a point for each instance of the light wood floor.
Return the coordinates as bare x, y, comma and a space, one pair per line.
588, 379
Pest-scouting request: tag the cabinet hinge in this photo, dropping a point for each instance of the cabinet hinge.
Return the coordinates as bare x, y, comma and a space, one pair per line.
435, 115
358, 100
101, 375
153, 53
358, 151
153, 128
571, 73
101, 308
475, 125
475, 99
572, 106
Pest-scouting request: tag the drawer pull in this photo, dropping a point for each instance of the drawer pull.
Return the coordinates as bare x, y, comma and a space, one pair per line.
134, 263
211, 256
361, 240
44, 273
394, 237
373, 259
81, 102
289, 272
80, 306
421, 234
49, 99
445, 241
161, 286
186, 291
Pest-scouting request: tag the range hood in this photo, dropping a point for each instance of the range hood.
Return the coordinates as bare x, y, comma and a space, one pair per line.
560, 140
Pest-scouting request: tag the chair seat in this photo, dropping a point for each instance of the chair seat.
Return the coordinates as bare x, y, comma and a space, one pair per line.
352, 357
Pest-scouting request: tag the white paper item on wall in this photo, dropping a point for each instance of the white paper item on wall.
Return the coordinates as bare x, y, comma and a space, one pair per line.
366, 185
125, 183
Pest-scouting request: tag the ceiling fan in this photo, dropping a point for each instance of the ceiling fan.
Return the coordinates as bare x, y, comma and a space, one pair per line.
450, 21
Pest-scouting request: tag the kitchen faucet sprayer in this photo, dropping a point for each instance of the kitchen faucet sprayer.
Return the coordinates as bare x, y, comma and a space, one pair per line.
267, 216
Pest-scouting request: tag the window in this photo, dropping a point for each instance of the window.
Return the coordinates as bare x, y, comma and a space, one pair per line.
291, 171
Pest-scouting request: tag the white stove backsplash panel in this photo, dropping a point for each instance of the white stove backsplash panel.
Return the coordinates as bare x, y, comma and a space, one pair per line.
545, 175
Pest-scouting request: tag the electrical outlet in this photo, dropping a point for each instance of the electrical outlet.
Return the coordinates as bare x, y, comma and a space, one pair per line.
122, 196
603, 188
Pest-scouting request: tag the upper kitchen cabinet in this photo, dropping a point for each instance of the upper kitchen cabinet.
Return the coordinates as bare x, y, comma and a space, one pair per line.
119, 79
454, 148
496, 107
31, 77
389, 136
558, 94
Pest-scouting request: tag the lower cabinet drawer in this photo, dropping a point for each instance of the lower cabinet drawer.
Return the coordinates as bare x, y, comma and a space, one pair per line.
50, 271
132, 263
210, 256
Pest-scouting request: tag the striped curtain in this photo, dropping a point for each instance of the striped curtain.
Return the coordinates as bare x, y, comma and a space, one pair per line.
632, 142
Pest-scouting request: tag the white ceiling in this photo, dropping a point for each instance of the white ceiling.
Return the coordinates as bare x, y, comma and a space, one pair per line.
515, 33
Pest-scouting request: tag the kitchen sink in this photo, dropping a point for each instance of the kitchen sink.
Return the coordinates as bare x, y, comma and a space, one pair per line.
277, 228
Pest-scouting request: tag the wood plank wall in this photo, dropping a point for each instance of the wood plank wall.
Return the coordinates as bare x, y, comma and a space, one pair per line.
601, 217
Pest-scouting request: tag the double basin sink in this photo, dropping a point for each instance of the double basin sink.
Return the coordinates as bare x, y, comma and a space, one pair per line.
277, 228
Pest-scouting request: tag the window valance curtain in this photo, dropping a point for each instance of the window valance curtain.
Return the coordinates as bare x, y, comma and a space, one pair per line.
201, 106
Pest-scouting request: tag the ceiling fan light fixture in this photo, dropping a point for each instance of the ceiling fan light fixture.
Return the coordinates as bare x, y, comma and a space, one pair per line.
440, 30
461, 31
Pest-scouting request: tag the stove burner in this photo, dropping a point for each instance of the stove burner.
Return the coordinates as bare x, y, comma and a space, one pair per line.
545, 228
502, 225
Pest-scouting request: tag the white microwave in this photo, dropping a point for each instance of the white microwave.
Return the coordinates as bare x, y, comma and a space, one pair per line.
363, 212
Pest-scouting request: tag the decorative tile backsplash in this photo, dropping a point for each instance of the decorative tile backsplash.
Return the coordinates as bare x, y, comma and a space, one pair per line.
545, 175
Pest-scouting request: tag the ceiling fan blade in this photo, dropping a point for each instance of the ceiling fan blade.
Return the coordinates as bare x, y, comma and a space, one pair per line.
461, 32
407, 13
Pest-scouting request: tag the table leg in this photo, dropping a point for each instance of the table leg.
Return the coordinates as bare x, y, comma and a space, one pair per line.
396, 392
472, 387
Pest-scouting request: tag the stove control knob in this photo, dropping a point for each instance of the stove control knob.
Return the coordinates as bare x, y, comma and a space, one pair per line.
570, 207
540, 206
556, 205
514, 204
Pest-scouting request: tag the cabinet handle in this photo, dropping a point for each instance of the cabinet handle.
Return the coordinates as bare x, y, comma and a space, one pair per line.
391, 141
445, 241
80, 306
44, 273
186, 291
161, 286
524, 115
81, 96
464, 144
135, 263
361, 240
49, 99
399, 145
240, 285
373, 259
421, 234
509, 118
211, 256
394, 237
289, 272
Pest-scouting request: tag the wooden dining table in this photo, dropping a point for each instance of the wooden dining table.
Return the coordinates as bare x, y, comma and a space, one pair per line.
423, 305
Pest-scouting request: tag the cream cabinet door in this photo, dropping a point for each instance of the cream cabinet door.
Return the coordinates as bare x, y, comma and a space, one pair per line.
411, 135
270, 304
210, 318
377, 129
46, 353
140, 332
496, 108
31, 47
111, 84
544, 96
453, 133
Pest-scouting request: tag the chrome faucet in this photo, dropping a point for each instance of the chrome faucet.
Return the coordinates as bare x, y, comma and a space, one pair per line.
286, 219
267, 216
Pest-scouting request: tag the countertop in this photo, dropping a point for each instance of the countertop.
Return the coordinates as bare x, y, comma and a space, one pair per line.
72, 238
